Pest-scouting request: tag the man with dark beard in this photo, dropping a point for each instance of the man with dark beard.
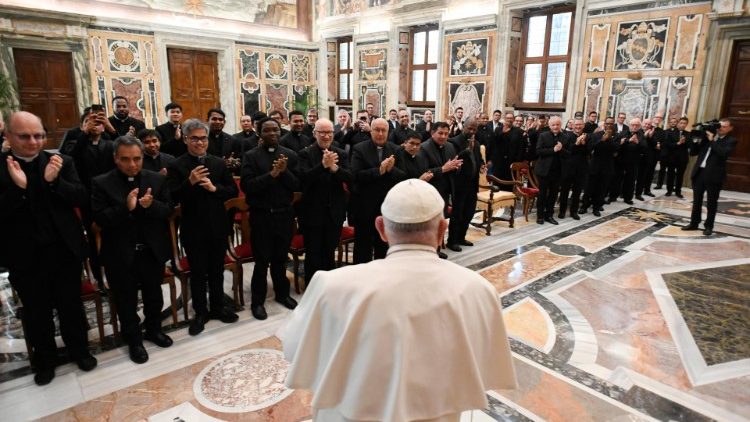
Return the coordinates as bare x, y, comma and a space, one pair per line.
295, 139
121, 122
220, 143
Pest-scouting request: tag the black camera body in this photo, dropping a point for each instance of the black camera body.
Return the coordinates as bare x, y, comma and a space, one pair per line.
710, 126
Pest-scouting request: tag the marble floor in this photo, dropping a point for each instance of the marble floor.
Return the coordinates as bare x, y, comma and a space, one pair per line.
618, 318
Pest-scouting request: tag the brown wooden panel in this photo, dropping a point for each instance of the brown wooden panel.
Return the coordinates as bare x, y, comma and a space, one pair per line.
194, 81
737, 106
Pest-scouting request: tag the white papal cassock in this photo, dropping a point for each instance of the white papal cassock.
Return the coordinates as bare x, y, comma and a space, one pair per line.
409, 337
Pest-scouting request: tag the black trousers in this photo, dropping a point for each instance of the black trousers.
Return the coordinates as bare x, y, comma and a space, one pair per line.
629, 176
699, 188
464, 207
270, 237
321, 242
597, 187
54, 283
662, 171
616, 179
675, 173
646, 170
146, 274
549, 186
571, 184
206, 259
367, 241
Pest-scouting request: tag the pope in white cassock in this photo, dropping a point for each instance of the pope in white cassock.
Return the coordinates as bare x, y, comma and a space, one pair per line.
410, 337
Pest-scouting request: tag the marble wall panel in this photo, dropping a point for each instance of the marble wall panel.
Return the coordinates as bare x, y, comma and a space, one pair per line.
372, 64
132, 89
249, 64
276, 66
403, 74
277, 98
634, 98
301, 69
374, 94
470, 96
332, 82
469, 57
592, 99
641, 44
250, 97
678, 96
468, 73
686, 45
514, 54
370, 77
598, 47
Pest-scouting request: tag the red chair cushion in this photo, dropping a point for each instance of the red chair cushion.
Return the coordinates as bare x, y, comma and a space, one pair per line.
87, 288
529, 191
244, 250
185, 264
347, 233
298, 241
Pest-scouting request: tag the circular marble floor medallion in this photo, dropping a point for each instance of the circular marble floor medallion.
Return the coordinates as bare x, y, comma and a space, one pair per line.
243, 381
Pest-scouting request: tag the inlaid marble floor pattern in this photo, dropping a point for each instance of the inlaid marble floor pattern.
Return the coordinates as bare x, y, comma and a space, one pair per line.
618, 318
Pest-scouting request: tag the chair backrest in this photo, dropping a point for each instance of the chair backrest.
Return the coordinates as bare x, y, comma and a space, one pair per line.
240, 207
521, 172
177, 252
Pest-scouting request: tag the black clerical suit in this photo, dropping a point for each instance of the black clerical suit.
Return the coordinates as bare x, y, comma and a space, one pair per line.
161, 161
590, 127
414, 166
246, 140
296, 141
678, 157
353, 138
437, 155
466, 186
399, 135
323, 207
548, 169
600, 168
223, 145
135, 245
575, 167
534, 134
170, 144
271, 217
204, 225
663, 157
618, 172
424, 130
708, 176
631, 153
122, 127
43, 247
647, 165
370, 188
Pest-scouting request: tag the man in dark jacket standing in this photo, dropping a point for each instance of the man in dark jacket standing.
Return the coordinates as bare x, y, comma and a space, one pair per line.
575, 167
548, 168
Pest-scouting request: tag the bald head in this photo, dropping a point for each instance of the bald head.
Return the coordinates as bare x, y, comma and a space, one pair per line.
25, 134
379, 131
21, 116
635, 124
323, 133
555, 124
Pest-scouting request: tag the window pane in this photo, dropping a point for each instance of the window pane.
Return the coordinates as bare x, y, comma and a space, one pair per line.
344, 93
417, 85
351, 55
532, 81
555, 85
558, 44
419, 41
344, 56
537, 31
432, 85
432, 45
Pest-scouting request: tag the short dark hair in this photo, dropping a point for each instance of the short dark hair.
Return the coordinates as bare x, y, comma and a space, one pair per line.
593, 112
370, 104
126, 141
216, 110
85, 114
145, 133
728, 120
542, 116
267, 119
258, 116
274, 112
296, 113
684, 118
497, 111
622, 113
412, 135
361, 111
119, 97
438, 125
458, 108
171, 106
393, 109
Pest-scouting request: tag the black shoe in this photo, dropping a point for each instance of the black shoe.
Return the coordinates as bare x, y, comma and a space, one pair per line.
551, 220
668, 193
679, 195
466, 243
442, 255
454, 247
539, 221
597, 213
575, 216
560, 216
600, 209
649, 194
629, 202
288, 302
657, 187
197, 324
44, 376
86, 362
158, 338
224, 315
690, 227
138, 353
583, 211
611, 200
259, 312
708, 231
640, 198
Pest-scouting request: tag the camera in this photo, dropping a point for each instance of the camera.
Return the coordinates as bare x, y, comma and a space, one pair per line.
710, 126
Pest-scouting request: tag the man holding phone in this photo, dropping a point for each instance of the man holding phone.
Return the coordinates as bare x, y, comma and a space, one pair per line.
360, 130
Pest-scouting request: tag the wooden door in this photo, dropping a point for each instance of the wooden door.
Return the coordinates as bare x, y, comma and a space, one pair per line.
194, 78
737, 107
47, 89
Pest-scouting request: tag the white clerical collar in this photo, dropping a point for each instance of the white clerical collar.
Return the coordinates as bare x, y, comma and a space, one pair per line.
26, 159
406, 247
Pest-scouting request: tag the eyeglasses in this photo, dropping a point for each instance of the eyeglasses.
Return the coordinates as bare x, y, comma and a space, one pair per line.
196, 139
324, 132
26, 137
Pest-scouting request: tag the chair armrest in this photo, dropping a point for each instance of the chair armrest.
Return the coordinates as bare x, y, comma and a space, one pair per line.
497, 181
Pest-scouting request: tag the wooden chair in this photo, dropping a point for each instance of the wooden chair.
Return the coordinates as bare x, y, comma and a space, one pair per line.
297, 245
490, 198
347, 238
527, 187
238, 244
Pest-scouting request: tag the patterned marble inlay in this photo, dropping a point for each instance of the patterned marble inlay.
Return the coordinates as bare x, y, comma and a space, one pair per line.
606, 234
714, 303
599, 47
243, 381
686, 45
528, 322
640, 45
515, 272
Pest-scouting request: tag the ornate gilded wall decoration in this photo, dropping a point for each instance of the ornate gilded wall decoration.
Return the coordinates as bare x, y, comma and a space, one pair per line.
123, 56
276, 66
372, 65
374, 94
634, 98
249, 63
592, 99
469, 57
346, 7
470, 96
300, 67
640, 45
678, 96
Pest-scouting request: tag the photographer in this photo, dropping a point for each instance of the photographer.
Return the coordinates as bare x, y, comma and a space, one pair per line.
709, 173
360, 131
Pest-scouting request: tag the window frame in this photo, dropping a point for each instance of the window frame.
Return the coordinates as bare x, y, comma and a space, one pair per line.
424, 67
545, 59
349, 71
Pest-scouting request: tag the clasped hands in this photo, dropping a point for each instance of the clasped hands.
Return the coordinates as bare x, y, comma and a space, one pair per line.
330, 160
200, 175
145, 201
51, 171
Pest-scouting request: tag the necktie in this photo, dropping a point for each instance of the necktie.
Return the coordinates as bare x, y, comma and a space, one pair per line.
380, 153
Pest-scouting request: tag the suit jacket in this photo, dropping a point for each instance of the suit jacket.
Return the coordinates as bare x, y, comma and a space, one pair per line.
123, 126
203, 214
92, 160
169, 143
414, 167
576, 163
295, 141
323, 195
399, 135
466, 178
716, 165
602, 153
678, 152
370, 187
549, 161
431, 151
534, 133
161, 161
625, 132
59, 199
422, 129
245, 141
121, 228
590, 127
263, 191
223, 145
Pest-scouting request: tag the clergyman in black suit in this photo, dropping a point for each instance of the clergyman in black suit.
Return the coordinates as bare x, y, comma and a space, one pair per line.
575, 167
424, 126
677, 145
603, 146
548, 169
709, 173
43, 243
200, 183
153, 158
465, 185
323, 170
171, 132
132, 206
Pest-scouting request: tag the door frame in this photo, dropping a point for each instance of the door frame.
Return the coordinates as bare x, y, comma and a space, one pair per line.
224, 61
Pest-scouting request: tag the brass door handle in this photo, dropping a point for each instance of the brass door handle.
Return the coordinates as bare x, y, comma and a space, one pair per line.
744, 112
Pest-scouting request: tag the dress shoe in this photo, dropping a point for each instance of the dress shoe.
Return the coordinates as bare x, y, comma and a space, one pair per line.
597, 213
442, 255
583, 211
138, 353
466, 243
259, 312
640, 198
197, 324
657, 187
86, 362
668, 193
679, 195
288, 302
560, 216
551, 220
601, 208
224, 315
629, 202
707, 231
454, 247
690, 227
539, 221
158, 338
575, 216
44, 376
649, 194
